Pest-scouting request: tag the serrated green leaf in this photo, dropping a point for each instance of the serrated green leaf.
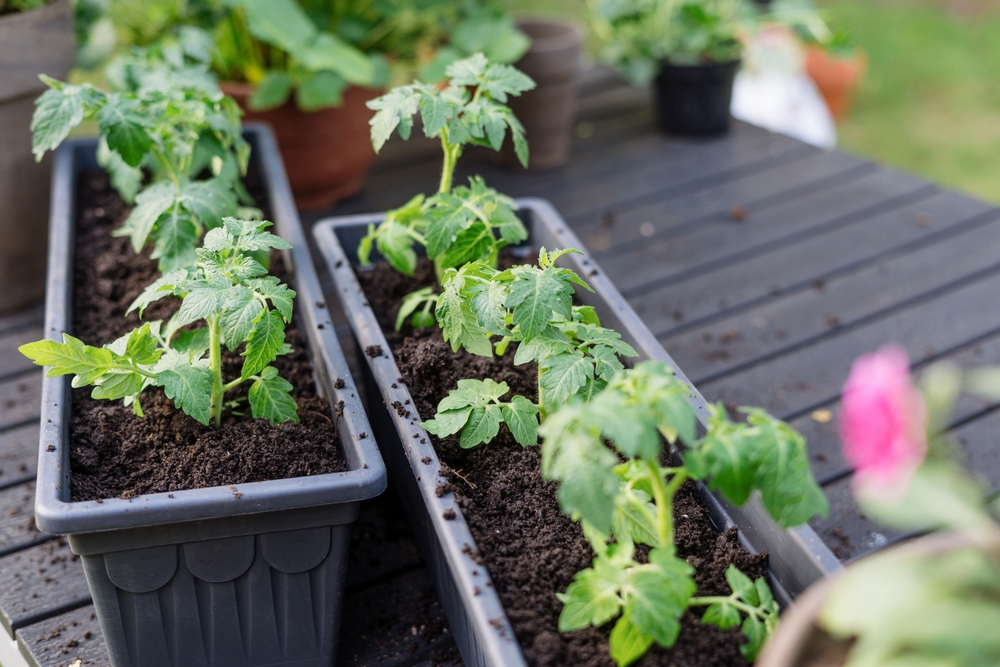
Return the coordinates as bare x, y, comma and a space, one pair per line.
125, 130
242, 310
756, 635
192, 342
176, 240
592, 599
628, 643
394, 109
263, 343
459, 324
271, 399
151, 203
56, 113
448, 217
488, 303
723, 615
563, 375
396, 245
71, 357
158, 289
468, 71
190, 387
658, 597
141, 346
742, 586
534, 296
118, 385
321, 90
447, 422
272, 91
210, 201
482, 426
635, 518
435, 112
472, 243
205, 298
521, 417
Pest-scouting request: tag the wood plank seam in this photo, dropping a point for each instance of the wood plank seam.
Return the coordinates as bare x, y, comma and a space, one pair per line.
42, 538
19, 424
27, 477
758, 206
794, 152
764, 248
17, 375
32, 619
846, 326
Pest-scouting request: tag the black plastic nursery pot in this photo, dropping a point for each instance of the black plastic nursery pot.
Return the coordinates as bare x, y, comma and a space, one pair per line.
238, 576
695, 99
482, 631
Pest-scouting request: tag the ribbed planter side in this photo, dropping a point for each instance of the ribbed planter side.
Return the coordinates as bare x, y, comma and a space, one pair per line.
484, 635
237, 576
32, 43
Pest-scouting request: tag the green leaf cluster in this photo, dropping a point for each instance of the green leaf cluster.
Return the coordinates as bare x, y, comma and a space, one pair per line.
239, 303
172, 123
476, 410
636, 36
584, 446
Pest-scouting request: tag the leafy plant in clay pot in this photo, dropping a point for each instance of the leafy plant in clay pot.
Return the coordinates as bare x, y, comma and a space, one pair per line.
936, 600
689, 47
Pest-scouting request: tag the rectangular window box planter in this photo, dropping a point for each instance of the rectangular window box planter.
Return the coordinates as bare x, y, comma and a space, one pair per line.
246, 576
797, 557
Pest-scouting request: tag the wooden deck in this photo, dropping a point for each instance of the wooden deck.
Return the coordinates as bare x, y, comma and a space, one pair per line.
763, 264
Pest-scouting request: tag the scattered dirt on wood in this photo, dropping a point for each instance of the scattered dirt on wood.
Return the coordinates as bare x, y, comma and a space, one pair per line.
116, 454
530, 548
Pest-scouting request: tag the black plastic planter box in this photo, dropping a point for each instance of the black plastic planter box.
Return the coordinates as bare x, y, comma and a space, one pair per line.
247, 576
797, 557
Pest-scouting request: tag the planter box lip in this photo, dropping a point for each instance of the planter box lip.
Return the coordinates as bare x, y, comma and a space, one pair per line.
805, 556
366, 477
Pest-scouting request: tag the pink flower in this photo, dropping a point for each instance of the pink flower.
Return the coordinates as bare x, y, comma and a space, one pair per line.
883, 422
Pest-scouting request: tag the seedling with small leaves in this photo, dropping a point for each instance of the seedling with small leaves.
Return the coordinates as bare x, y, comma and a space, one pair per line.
238, 302
531, 306
607, 457
172, 123
461, 224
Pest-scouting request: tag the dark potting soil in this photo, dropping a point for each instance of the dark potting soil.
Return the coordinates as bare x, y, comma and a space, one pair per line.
529, 547
113, 453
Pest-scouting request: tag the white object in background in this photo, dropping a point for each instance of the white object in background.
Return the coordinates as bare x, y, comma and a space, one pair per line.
786, 103
774, 91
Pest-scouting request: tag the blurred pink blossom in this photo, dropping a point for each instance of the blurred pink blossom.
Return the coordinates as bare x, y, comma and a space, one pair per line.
883, 422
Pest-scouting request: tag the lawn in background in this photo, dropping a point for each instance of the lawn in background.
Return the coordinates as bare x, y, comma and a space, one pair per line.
930, 103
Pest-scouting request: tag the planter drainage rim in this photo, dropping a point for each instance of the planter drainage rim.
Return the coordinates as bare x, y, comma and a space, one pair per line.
797, 557
366, 477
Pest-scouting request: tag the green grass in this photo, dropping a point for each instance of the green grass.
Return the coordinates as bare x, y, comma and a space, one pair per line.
930, 103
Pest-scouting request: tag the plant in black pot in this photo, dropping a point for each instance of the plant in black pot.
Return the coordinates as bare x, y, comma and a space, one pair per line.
689, 48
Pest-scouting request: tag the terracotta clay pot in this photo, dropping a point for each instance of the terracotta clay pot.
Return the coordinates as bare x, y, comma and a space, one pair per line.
837, 78
800, 641
548, 111
39, 41
327, 153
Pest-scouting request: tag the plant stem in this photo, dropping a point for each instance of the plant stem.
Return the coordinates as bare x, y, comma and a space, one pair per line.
170, 168
712, 599
451, 154
663, 494
215, 365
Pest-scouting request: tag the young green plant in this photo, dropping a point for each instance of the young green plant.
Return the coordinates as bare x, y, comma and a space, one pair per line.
607, 456
238, 302
458, 224
174, 124
531, 306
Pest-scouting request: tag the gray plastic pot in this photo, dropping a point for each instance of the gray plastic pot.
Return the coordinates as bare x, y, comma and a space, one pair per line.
797, 557
548, 111
247, 576
30, 43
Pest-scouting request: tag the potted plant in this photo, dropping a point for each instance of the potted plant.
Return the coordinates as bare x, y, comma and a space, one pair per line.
35, 36
689, 48
837, 65
480, 346
933, 601
549, 111
211, 504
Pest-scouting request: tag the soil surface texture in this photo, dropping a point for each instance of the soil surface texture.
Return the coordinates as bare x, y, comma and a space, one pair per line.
529, 547
115, 454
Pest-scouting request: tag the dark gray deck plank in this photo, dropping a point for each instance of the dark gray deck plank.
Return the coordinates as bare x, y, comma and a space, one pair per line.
18, 454
725, 244
721, 288
794, 383
31, 316
39, 583
624, 231
17, 518
750, 336
62, 640
13, 362
20, 399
